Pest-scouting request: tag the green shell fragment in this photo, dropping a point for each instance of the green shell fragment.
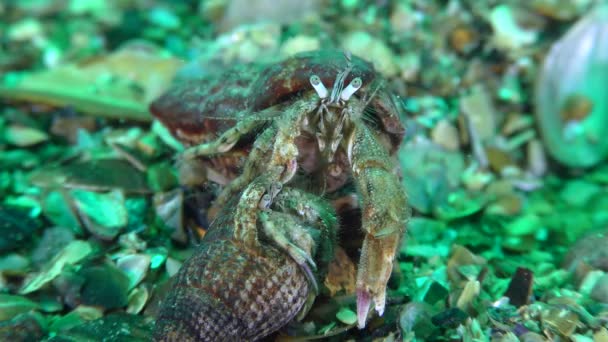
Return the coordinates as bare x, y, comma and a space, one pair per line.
70, 255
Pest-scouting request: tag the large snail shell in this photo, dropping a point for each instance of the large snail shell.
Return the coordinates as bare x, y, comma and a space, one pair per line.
572, 91
223, 294
226, 293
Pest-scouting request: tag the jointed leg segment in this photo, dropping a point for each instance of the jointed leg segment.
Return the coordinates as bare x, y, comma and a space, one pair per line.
301, 235
280, 167
294, 238
255, 163
224, 142
384, 215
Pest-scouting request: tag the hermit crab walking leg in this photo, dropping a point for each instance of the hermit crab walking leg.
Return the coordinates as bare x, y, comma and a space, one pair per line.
315, 211
281, 167
292, 236
223, 143
288, 233
384, 216
224, 292
303, 225
255, 162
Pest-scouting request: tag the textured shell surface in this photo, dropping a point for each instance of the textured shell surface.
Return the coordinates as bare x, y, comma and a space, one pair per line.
227, 293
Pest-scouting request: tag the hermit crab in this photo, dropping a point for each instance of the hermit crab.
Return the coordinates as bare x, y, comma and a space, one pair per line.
319, 121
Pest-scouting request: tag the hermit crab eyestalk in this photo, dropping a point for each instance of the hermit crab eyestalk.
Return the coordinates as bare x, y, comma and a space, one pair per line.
352, 87
316, 83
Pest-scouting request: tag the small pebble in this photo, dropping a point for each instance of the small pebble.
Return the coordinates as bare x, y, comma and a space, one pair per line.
446, 135
363, 44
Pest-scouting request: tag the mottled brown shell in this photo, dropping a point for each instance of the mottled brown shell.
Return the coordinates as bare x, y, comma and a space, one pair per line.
199, 110
225, 292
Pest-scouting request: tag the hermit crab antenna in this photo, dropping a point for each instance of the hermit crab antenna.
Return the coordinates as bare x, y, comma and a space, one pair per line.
352, 87
348, 56
316, 83
338, 85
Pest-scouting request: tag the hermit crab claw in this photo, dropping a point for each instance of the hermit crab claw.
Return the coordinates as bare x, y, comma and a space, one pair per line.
316, 83
378, 251
364, 299
352, 87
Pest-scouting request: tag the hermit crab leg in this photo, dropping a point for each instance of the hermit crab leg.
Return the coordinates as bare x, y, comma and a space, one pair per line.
315, 211
256, 162
384, 215
281, 167
224, 142
302, 223
270, 195
281, 229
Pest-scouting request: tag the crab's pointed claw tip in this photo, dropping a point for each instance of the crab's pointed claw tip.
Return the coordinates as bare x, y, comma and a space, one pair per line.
380, 307
311, 277
363, 302
380, 302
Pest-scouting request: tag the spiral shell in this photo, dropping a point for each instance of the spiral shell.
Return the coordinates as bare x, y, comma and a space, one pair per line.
223, 294
227, 293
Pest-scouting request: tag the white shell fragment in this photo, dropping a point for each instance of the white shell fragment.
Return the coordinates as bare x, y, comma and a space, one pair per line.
508, 33
135, 267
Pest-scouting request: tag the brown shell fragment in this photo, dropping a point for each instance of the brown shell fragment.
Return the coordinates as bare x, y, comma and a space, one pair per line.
520, 287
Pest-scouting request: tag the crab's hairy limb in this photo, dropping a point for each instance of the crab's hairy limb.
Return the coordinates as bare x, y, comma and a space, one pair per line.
384, 216
291, 235
255, 162
280, 167
224, 142
309, 207
316, 212
303, 225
